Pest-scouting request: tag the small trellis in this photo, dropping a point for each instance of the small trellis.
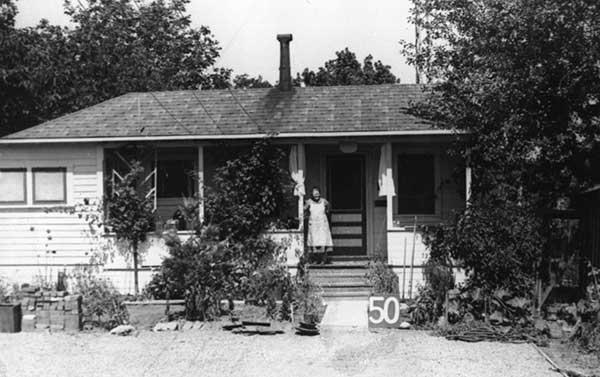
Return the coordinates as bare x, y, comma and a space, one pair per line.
120, 166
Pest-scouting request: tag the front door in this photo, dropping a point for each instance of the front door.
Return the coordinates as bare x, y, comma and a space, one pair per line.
346, 193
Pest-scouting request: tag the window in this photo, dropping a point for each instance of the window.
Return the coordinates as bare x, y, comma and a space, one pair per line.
175, 178
13, 186
49, 185
416, 184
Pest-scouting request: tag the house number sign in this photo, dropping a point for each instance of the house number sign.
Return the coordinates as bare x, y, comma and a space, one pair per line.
384, 312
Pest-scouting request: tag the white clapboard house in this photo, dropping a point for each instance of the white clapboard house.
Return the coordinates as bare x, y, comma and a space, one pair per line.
381, 168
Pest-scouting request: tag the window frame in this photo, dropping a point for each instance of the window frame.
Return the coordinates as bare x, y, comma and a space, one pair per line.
52, 169
408, 218
19, 202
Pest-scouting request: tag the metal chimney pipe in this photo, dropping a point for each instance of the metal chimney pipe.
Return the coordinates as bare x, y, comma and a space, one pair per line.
285, 75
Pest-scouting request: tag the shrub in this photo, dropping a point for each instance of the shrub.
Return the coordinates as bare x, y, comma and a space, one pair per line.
101, 302
250, 192
229, 257
381, 278
424, 310
4, 292
439, 279
158, 288
496, 241
307, 298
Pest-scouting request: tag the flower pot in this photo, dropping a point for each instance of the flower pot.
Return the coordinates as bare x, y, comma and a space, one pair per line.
10, 317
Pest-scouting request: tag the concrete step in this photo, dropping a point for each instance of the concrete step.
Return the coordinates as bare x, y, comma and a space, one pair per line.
341, 279
343, 284
347, 294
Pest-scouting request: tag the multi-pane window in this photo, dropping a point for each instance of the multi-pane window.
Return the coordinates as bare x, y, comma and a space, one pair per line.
49, 185
416, 184
176, 178
13, 187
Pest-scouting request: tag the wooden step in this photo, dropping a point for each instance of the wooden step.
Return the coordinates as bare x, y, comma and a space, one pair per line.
345, 292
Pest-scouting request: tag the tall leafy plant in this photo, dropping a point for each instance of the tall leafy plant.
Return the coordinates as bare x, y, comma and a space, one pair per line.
130, 214
229, 257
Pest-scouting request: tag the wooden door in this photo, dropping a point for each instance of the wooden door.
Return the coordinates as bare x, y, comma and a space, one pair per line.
346, 193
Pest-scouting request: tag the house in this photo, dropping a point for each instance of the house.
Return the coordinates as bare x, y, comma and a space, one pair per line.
383, 169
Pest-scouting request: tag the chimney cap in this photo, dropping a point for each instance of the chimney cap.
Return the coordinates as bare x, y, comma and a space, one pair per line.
284, 37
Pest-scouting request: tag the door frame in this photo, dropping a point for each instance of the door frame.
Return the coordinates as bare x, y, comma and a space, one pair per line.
363, 159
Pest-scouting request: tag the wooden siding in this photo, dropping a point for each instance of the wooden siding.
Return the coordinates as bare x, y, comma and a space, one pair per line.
34, 241
24, 229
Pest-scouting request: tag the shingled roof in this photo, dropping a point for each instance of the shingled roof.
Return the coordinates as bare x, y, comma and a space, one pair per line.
377, 109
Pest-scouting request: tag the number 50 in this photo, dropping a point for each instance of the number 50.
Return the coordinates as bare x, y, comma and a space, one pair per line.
381, 307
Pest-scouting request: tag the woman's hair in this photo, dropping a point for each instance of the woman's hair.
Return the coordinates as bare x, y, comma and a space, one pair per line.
315, 188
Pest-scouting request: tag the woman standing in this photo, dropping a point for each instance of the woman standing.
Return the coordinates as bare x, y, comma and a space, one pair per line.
319, 235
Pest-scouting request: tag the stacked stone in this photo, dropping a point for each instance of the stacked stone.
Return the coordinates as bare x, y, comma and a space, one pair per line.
52, 310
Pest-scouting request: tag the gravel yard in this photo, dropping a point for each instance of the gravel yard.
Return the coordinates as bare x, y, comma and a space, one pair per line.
212, 352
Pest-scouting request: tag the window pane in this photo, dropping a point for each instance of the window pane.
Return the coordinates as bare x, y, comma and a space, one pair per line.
49, 185
416, 184
12, 185
175, 179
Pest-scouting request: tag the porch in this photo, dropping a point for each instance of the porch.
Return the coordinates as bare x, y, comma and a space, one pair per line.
382, 192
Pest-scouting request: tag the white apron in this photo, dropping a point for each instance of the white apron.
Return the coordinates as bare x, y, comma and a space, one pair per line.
319, 234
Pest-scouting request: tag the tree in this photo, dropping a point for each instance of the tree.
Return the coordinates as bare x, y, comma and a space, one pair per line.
244, 81
345, 69
131, 214
113, 47
521, 78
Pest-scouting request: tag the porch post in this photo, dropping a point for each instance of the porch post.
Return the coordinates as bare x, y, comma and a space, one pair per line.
301, 172
201, 183
389, 195
468, 184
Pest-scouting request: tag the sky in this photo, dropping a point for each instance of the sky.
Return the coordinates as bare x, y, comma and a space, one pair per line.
247, 30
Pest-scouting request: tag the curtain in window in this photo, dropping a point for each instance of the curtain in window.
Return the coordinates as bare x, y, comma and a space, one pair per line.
385, 178
297, 167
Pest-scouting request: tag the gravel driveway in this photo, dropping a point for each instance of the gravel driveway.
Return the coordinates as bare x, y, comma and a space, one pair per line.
210, 352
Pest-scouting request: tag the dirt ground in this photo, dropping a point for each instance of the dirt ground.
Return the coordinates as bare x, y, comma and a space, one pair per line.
213, 352
568, 358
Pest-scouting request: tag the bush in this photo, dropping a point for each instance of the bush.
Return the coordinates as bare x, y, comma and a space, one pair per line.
497, 242
381, 278
101, 303
229, 257
307, 298
158, 288
4, 292
586, 334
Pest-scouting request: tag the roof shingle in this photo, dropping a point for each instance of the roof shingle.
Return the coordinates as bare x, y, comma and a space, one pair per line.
240, 112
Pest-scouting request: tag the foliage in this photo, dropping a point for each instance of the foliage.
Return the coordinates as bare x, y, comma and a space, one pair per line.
430, 300
586, 334
345, 69
244, 81
130, 213
381, 278
496, 242
522, 78
307, 298
158, 288
439, 279
4, 291
249, 192
424, 311
229, 257
101, 302
109, 49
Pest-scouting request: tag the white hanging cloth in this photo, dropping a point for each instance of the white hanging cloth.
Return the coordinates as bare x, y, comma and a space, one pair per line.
297, 166
385, 178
